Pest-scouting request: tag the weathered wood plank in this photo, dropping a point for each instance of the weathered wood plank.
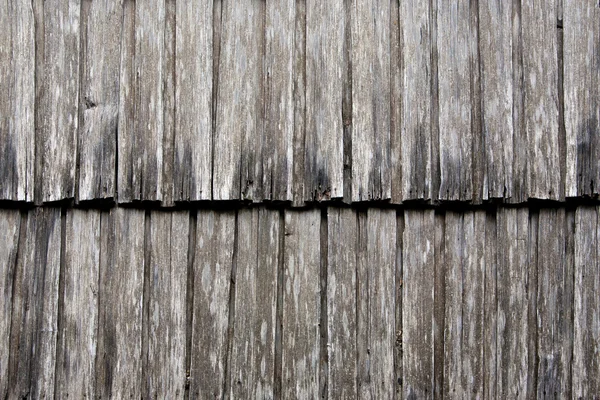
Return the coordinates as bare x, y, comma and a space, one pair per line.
324, 154
57, 78
457, 58
301, 305
587, 305
439, 306
98, 135
299, 101
496, 64
581, 65
395, 103
212, 273
540, 73
520, 156
239, 114
79, 324
371, 90
164, 364
490, 308
17, 83
194, 86
253, 345
342, 244
35, 307
415, 122
10, 224
362, 307
554, 306
418, 303
513, 297
118, 361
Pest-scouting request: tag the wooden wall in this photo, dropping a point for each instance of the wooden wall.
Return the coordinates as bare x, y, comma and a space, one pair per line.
306, 303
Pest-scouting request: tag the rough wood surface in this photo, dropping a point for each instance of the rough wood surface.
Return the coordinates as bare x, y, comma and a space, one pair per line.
301, 305
490, 307
212, 273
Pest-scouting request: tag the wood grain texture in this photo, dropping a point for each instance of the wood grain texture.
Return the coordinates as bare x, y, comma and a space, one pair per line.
301, 305
34, 327
253, 347
239, 128
418, 304
371, 90
323, 177
101, 59
10, 224
581, 66
586, 308
164, 363
299, 101
496, 65
192, 168
57, 82
118, 361
490, 307
79, 315
215, 236
540, 74
17, 106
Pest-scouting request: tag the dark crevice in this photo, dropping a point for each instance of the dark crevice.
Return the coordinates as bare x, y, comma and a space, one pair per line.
324, 335
277, 379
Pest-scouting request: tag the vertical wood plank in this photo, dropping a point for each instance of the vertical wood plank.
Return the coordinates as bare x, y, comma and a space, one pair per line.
17, 83
490, 308
324, 129
169, 76
496, 52
371, 90
299, 101
193, 96
439, 306
98, 135
35, 307
396, 102
456, 46
581, 65
587, 305
118, 361
239, 114
418, 303
212, 273
540, 73
342, 302
301, 304
79, 325
253, 345
554, 306
57, 78
164, 363
10, 224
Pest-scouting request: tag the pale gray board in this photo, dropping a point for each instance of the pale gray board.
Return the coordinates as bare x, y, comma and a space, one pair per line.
17, 104
299, 104
252, 355
213, 263
34, 327
581, 66
490, 307
101, 23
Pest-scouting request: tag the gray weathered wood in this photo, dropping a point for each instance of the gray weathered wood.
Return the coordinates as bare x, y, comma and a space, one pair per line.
239, 114
540, 75
586, 342
17, 83
490, 308
439, 307
342, 249
118, 359
581, 65
299, 99
395, 103
496, 64
456, 46
101, 61
164, 364
253, 344
418, 303
194, 86
554, 306
57, 82
371, 90
323, 177
301, 305
212, 272
34, 327
10, 226
75, 363
170, 104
